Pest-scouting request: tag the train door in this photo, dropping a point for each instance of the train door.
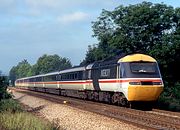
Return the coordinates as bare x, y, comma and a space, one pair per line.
57, 80
120, 74
89, 77
89, 80
95, 78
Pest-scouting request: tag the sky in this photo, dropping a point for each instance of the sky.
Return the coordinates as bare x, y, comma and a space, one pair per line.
31, 28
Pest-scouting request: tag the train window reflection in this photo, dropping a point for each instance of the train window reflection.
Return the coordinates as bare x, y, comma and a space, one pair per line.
122, 71
145, 67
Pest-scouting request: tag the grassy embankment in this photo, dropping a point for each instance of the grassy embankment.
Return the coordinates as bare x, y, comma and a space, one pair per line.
13, 117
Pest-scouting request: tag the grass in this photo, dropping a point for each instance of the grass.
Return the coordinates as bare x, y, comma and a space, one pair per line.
12, 117
23, 121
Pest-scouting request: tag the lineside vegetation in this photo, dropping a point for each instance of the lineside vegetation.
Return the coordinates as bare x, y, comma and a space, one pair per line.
13, 117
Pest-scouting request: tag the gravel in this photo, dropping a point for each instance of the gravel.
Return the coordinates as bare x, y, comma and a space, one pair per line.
70, 118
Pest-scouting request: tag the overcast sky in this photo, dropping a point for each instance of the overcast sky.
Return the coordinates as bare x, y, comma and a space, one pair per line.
31, 28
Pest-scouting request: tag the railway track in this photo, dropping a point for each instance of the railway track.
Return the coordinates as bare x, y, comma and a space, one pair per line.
156, 119
166, 113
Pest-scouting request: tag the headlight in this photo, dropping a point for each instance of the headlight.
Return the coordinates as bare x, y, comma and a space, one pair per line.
157, 83
135, 83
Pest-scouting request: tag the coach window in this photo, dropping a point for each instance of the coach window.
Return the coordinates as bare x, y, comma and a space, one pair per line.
63, 77
30, 80
67, 76
83, 75
46, 78
76, 75
57, 77
38, 79
71, 76
53, 77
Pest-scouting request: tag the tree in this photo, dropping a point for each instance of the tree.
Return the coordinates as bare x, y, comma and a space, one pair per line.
50, 63
45, 64
135, 27
13, 74
23, 69
91, 55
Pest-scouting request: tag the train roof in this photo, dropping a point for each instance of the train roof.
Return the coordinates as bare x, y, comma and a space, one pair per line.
72, 70
136, 58
51, 73
57, 72
89, 66
31, 77
109, 61
123, 58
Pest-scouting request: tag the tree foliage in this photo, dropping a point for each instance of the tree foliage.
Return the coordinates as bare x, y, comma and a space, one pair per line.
142, 27
45, 64
23, 69
50, 63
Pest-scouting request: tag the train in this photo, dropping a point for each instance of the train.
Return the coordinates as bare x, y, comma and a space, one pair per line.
126, 80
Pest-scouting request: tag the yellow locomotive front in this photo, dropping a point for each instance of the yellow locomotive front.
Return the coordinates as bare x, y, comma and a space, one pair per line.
141, 77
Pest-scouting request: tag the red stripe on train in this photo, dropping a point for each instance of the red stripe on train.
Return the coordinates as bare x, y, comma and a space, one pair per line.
100, 81
130, 80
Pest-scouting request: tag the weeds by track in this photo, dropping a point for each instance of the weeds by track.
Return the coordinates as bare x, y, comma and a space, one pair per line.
145, 119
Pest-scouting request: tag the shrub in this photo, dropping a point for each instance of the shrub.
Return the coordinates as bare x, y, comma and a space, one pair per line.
10, 105
168, 103
3, 87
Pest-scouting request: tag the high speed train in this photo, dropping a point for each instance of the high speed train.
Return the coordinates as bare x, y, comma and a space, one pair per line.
126, 80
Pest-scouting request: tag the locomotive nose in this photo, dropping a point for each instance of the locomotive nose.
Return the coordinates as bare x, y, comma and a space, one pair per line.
144, 90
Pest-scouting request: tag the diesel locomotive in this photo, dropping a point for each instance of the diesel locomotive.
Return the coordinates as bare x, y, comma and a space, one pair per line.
126, 80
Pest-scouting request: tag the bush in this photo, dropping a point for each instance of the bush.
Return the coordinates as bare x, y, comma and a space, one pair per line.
10, 105
176, 91
3, 87
168, 103
170, 98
